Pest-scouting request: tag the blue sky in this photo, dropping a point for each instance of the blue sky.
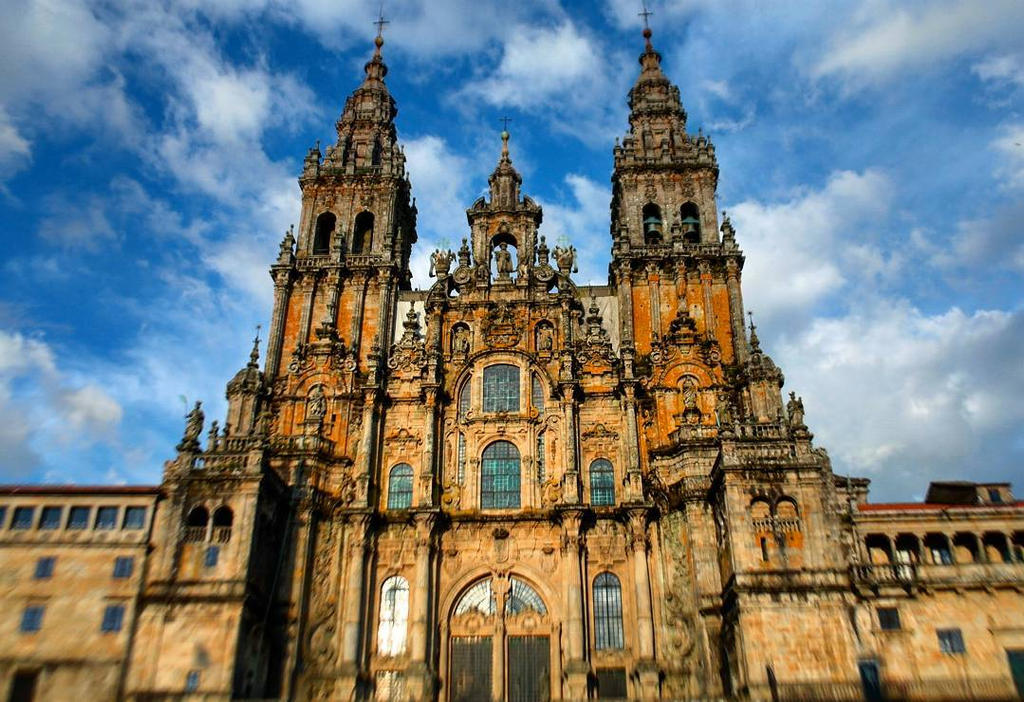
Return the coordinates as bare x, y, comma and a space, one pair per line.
870, 157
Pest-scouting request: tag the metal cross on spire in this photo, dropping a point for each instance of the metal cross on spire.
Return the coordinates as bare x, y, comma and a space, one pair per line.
380, 21
504, 123
645, 13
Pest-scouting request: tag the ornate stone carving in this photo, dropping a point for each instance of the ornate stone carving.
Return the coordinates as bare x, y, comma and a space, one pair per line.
500, 328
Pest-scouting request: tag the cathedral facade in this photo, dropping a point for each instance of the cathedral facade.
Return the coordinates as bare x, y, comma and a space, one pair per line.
512, 487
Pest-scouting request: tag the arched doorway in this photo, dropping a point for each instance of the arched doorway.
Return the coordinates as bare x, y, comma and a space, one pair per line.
499, 643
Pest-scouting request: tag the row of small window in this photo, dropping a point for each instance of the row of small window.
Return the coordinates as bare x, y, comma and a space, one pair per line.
32, 618
124, 566
950, 640
51, 517
500, 479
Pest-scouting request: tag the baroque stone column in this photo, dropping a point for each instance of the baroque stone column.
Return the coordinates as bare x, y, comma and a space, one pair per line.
282, 294
732, 285
576, 666
420, 677
646, 666
356, 545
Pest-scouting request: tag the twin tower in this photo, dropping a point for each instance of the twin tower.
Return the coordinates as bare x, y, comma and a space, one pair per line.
507, 486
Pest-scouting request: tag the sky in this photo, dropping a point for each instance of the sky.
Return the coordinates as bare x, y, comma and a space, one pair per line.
871, 161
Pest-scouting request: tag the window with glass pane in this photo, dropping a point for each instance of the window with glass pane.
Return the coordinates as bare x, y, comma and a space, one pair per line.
78, 518
501, 388
607, 612
106, 518
134, 517
888, 618
113, 618
499, 476
461, 478
23, 517
3, 516
50, 518
602, 483
123, 566
541, 469
32, 618
44, 567
400, 487
465, 397
951, 641
394, 615
211, 557
537, 394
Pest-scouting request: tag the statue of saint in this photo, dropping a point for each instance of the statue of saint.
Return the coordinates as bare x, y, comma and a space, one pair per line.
440, 263
461, 343
795, 410
504, 261
545, 340
193, 428
316, 406
565, 259
689, 394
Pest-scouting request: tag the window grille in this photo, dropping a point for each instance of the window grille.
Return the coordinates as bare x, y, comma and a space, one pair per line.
32, 618
44, 567
134, 517
951, 641
501, 388
471, 669
499, 476
113, 618
461, 477
390, 686
50, 518
529, 663
608, 612
106, 518
394, 615
602, 483
400, 487
124, 566
78, 518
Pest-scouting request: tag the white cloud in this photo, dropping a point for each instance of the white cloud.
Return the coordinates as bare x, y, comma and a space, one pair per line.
583, 224
15, 150
885, 39
801, 251
909, 397
1011, 146
1006, 69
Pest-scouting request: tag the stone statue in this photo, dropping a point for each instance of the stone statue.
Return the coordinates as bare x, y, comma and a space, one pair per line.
440, 263
689, 394
316, 406
795, 410
565, 258
545, 340
461, 343
504, 261
464, 259
193, 428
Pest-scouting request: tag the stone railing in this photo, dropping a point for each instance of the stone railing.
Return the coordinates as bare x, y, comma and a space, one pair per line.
221, 534
771, 430
884, 574
971, 574
947, 689
194, 534
777, 524
302, 444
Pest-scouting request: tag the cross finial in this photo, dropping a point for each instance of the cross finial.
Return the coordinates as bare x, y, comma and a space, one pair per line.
504, 121
380, 21
645, 13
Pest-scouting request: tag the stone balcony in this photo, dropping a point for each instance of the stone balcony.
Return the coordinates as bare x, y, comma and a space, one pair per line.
919, 575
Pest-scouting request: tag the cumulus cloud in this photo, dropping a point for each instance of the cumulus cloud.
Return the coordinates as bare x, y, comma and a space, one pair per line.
15, 149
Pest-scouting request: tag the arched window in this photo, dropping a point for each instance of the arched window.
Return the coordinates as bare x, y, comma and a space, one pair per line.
689, 218
400, 487
362, 233
478, 598
501, 388
322, 236
223, 518
537, 393
499, 476
394, 615
652, 223
523, 598
465, 398
607, 612
602, 483
195, 524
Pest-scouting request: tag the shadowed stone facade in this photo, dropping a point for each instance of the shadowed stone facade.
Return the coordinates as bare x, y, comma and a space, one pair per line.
513, 487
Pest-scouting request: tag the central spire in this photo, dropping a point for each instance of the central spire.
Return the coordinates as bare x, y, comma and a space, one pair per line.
505, 180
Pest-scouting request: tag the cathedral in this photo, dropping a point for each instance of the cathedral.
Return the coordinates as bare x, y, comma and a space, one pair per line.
509, 486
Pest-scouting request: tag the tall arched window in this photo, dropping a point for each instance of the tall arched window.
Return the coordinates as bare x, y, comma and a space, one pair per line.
652, 223
689, 218
394, 615
537, 393
322, 236
499, 476
195, 524
362, 233
465, 398
501, 388
607, 612
400, 487
602, 482
223, 518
